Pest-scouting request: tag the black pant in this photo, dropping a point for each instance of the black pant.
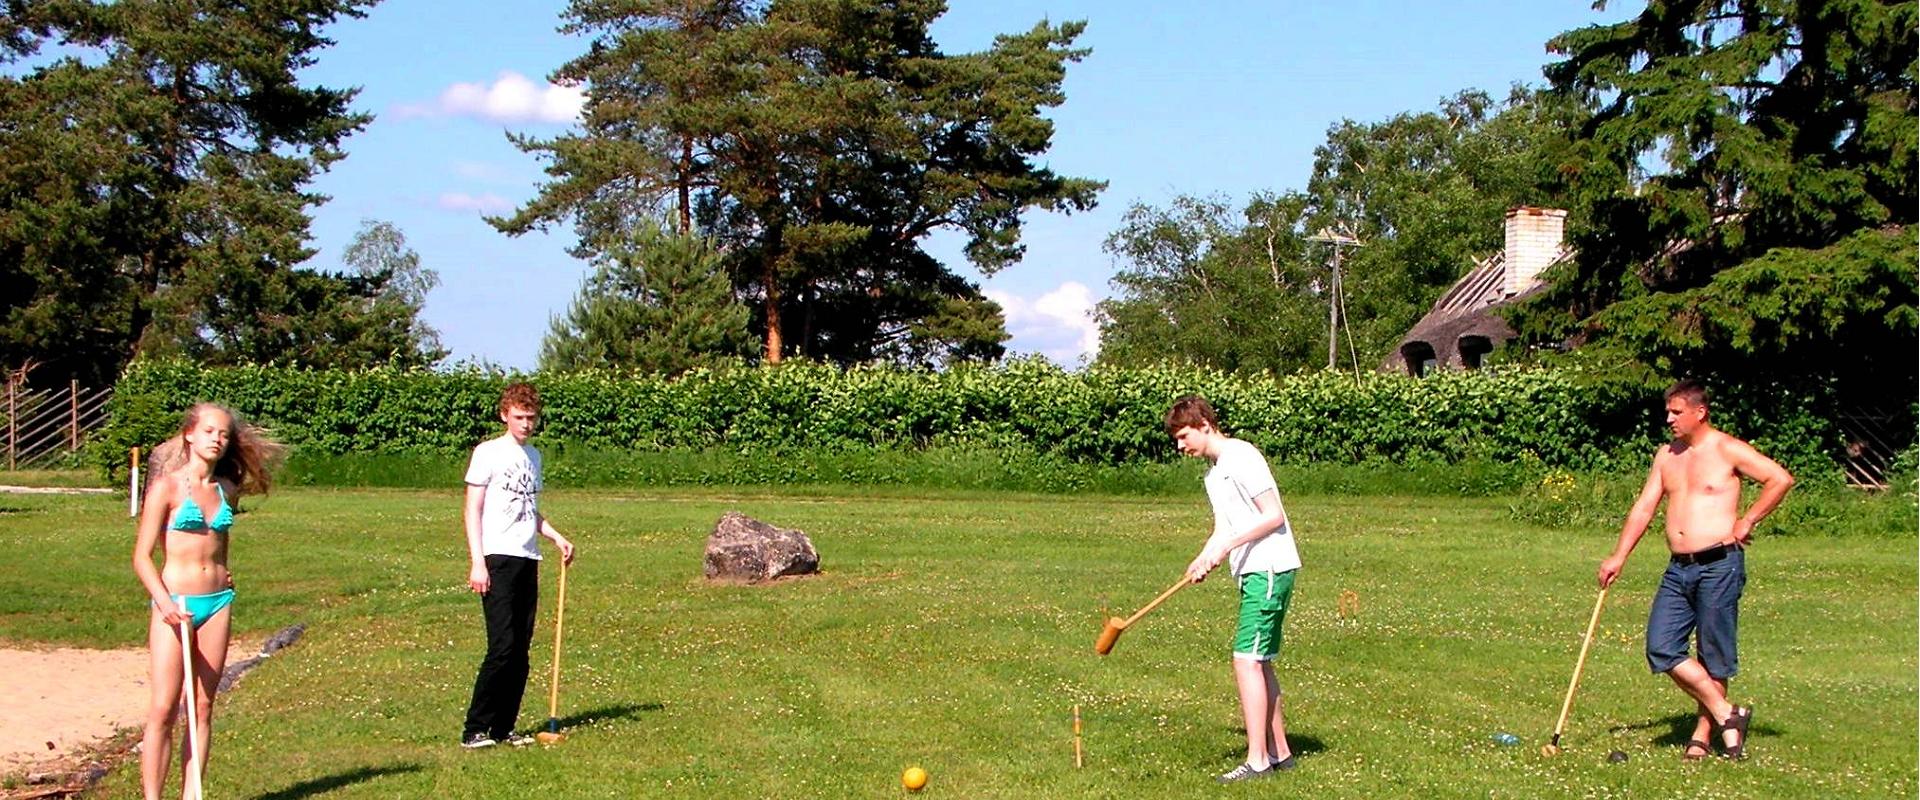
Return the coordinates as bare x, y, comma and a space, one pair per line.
509, 605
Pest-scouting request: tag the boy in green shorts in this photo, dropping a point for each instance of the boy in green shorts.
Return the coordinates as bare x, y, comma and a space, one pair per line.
1250, 531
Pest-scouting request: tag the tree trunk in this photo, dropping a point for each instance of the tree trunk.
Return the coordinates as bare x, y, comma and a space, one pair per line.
771, 278
147, 284
686, 181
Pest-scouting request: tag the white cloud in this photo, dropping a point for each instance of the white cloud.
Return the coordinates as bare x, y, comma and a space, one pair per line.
511, 97
1058, 324
478, 170
486, 203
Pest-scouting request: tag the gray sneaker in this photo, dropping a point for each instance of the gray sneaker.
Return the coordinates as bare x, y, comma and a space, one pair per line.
1282, 764
477, 741
1244, 772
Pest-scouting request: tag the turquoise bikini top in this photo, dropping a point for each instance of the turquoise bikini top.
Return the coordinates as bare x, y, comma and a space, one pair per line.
189, 517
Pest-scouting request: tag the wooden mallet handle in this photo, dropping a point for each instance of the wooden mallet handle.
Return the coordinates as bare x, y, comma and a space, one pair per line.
559, 627
191, 755
1157, 601
1578, 665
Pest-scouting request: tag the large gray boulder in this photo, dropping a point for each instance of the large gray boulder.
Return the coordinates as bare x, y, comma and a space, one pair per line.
745, 549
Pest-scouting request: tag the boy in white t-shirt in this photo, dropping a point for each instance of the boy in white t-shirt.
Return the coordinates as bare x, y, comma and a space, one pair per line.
503, 524
1251, 532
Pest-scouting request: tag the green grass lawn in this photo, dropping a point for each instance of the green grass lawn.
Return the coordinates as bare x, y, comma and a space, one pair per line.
954, 631
65, 478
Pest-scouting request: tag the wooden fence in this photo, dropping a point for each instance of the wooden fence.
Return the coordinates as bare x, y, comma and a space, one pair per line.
44, 425
1874, 437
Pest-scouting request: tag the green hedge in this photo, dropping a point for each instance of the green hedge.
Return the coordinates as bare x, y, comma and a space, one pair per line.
1599, 503
944, 468
1110, 417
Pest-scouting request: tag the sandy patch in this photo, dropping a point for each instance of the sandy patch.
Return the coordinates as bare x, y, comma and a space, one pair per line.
64, 700
6, 489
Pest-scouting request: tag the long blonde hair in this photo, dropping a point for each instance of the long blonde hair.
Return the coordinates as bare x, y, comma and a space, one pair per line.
248, 462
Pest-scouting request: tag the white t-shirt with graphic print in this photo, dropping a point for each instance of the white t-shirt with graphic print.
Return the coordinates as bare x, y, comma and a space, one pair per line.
1239, 475
510, 506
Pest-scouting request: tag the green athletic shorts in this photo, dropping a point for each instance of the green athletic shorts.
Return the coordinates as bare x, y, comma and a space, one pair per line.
1264, 597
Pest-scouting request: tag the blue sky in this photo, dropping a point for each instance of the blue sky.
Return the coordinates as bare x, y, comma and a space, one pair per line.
1205, 98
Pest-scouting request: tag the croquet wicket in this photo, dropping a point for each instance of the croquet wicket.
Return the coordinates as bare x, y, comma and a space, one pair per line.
1349, 603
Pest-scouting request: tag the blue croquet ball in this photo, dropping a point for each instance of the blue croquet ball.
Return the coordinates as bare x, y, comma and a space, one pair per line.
1507, 739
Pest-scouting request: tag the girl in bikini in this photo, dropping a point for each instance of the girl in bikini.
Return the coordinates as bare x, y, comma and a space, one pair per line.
197, 478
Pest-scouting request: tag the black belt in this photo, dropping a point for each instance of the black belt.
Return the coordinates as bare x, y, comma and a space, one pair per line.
1707, 556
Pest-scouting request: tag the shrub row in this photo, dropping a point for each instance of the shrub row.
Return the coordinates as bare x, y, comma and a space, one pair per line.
943, 468
1108, 417
1599, 502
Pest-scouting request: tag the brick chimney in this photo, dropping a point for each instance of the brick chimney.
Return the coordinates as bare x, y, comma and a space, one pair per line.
1534, 238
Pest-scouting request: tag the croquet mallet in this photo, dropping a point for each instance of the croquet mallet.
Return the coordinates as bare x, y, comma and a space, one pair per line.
191, 788
1115, 625
552, 734
1553, 748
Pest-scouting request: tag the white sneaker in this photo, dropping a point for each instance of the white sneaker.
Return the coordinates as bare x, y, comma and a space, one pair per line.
477, 741
517, 739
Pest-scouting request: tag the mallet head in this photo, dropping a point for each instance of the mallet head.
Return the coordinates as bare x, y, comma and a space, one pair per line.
552, 734
1109, 634
1549, 750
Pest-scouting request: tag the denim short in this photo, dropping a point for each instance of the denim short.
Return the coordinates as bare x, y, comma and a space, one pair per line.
1702, 597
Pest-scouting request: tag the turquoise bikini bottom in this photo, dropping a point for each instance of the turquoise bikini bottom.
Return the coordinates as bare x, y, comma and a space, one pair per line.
204, 606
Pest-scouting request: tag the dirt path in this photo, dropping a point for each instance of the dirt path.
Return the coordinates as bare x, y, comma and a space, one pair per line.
64, 699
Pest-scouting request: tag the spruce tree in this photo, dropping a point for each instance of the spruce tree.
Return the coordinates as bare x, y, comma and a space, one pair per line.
660, 303
1745, 194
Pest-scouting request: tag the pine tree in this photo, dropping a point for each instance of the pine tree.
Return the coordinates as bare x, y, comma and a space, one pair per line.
156, 168
819, 142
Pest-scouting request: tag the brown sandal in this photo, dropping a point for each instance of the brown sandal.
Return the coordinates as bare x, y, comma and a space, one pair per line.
1740, 720
1688, 754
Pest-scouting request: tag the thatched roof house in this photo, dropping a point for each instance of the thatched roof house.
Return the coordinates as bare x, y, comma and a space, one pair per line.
1462, 328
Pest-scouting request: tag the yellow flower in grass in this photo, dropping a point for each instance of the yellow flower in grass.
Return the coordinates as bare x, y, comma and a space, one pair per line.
1558, 484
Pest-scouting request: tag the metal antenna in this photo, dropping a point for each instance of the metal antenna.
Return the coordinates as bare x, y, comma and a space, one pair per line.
1336, 301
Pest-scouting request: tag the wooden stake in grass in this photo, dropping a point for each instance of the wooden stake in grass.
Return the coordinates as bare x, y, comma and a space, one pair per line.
133, 483
1076, 737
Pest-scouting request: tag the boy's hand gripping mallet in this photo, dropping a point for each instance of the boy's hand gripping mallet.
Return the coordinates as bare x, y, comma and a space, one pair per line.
1553, 748
552, 734
1111, 632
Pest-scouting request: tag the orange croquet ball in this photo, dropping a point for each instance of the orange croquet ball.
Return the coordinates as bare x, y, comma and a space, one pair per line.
914, 779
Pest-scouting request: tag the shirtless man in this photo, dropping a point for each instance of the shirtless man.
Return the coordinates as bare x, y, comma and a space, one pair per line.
1700, 472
